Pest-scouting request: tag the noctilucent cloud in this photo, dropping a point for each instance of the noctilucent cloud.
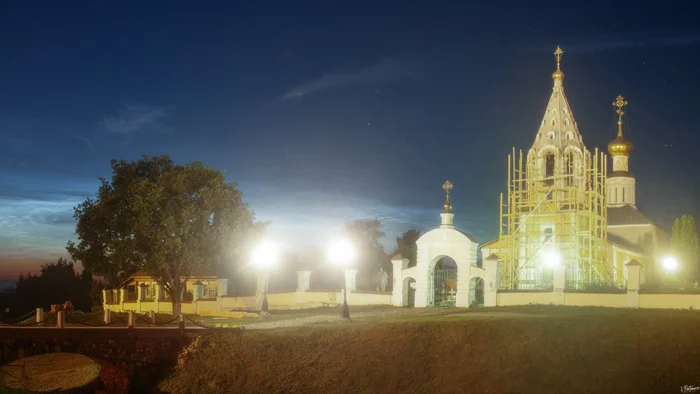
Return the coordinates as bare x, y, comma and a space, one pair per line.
330, 111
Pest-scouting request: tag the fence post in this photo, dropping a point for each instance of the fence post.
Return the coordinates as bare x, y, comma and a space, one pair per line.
60, 319
108, 316
39, 315
182, 322
634, 275
132, 316
152, 316
303, 281
559, 284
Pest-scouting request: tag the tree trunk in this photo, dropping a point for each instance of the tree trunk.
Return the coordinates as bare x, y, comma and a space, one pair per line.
176, 298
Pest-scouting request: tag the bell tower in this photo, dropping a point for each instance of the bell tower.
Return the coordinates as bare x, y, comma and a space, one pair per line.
620, 189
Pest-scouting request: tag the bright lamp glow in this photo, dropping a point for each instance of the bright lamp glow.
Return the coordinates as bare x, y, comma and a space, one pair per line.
341, 251
265, 254
670, 263
552, 259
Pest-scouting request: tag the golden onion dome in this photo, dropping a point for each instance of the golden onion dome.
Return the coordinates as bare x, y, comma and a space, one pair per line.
558, 76
620, 147
448, 207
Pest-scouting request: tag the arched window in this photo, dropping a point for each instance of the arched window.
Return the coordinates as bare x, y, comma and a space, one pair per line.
623, 194
550, 135
569, 135
570, 165
566, 121
549, 168
615, 195
554, 121
548, 234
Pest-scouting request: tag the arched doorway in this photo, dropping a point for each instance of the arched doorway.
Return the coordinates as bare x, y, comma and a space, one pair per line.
409, 292
442, 282
476, 292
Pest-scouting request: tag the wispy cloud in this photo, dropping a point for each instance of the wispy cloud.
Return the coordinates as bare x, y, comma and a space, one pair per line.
603, 43
86, 141
136, 118
382, 72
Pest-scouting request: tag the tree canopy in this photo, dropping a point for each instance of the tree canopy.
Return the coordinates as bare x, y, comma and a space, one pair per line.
171, 221
684, 245
406, 245
366, 235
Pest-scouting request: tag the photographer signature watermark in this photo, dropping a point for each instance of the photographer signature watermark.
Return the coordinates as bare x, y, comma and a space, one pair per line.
689, 389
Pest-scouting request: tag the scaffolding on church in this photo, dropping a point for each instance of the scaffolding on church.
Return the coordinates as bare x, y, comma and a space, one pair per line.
554, 216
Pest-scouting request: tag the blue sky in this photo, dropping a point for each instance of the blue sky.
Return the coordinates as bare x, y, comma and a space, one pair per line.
329, 111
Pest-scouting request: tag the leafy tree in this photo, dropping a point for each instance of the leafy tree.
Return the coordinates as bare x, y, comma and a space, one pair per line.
172, 221
57, 283
406, 245
366, 235
684, 244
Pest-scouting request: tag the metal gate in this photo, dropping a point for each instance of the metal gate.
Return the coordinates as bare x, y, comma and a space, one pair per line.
443, 287
411, 293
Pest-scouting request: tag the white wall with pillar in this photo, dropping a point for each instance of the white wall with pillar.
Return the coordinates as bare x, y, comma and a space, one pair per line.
351, 280
303, 281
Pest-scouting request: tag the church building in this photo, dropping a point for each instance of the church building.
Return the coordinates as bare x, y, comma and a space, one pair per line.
562, 207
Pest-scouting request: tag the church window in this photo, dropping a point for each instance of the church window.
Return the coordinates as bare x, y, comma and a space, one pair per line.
623, 194
615, 195
550, 135
569, 135
549, 168
554, 121
569, 169
566, 121
548, 234
565, 111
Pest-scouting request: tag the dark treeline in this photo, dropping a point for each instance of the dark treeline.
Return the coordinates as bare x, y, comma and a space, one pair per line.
57, 283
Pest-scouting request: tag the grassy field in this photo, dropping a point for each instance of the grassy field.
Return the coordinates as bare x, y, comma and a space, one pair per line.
533, 349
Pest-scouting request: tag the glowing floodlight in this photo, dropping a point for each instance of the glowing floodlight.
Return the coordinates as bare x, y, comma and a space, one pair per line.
670, 263
552, 259
265, 254
341, 251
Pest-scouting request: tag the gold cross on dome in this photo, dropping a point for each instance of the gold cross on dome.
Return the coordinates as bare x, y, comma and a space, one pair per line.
557, 53
619, 103
447, 186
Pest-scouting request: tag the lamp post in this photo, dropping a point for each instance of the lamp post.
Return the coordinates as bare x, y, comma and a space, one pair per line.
341, 252
264, 257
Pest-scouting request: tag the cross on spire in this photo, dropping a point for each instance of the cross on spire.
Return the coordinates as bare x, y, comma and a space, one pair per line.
447, 186
620, 102
557, 53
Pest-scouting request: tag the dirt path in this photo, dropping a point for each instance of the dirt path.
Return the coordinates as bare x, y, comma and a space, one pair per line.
334, 318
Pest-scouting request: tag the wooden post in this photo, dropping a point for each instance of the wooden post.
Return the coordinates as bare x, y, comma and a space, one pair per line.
152, 316
182, 322
132, 320
108, 316
60, 319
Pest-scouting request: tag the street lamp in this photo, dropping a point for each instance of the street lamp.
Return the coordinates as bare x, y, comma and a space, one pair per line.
341, 252
552, 259
264, 257
670, 263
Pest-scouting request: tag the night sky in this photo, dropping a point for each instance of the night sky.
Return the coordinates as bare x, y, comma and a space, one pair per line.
330, 111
